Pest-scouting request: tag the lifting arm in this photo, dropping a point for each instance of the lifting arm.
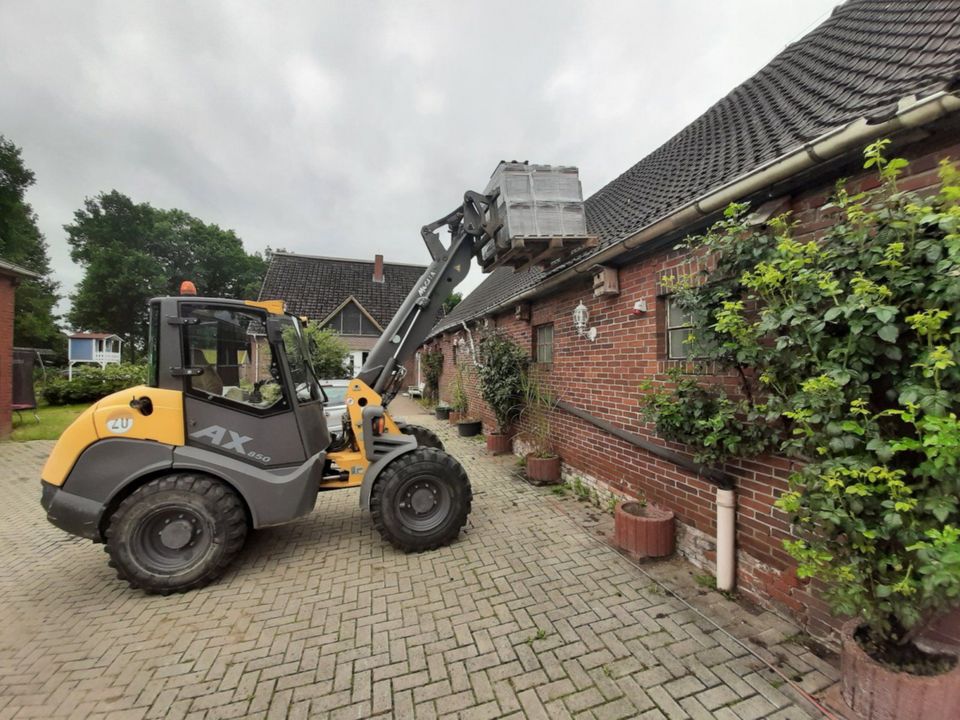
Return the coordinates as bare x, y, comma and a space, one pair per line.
411, 325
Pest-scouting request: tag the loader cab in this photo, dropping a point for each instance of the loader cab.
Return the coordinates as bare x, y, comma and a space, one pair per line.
244, 369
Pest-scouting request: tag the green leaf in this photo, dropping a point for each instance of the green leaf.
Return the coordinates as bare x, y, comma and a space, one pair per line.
890, 333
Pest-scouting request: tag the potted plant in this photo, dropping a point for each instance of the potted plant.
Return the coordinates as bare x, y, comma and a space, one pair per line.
542, 463
442, 412
642, 530
458, 398
466, 425
500, 372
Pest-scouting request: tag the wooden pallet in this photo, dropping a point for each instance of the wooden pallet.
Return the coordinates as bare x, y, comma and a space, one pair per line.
527, 251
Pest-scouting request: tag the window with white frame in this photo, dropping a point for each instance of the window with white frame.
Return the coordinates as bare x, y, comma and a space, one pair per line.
544, 344
678, 330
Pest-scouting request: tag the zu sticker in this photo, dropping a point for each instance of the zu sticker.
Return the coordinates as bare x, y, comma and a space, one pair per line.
120, 424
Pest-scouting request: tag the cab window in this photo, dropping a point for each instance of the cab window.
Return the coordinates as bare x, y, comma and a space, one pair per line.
235, 361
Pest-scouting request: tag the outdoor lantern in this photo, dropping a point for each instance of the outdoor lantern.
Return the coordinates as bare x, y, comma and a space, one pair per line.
581, 316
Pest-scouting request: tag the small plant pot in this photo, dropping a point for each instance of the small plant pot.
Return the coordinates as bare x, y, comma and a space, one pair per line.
469, 428
454, 416
872, 691
543, 471
644, 531
499, 443
441, 413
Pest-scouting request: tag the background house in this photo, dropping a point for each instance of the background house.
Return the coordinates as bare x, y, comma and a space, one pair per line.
10, 276
779, 140
356, 298
98, 348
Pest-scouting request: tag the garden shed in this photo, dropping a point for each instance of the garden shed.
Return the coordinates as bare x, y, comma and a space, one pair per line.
98, 348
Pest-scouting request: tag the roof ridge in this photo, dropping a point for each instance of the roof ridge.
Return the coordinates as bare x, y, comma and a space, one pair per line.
286, 253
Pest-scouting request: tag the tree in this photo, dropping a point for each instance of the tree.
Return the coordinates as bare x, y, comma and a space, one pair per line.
21, 242
453, 299
132, 252
327, 350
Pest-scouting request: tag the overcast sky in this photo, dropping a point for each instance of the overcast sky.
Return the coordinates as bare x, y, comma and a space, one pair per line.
339, 128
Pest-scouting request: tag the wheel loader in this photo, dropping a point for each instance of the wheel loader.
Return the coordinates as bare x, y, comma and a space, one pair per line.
228, 433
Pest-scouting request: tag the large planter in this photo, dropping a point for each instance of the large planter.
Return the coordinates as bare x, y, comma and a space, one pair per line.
543, 471
499, 443
644, 531
469, 428
454, 416
872, 691
441, 413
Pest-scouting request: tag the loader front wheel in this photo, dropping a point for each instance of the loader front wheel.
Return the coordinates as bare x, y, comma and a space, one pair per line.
425, 436
421, 500
176, 533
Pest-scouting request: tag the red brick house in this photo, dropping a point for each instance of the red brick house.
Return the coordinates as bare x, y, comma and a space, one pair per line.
779, 140
10, 276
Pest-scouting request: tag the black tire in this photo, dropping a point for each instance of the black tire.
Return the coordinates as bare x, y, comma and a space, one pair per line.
421, 500
425, 436
176, 533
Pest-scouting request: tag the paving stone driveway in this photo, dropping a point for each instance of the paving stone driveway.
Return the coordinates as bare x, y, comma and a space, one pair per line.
527, 615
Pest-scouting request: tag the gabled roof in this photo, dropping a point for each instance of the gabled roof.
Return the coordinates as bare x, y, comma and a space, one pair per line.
859, 63
93, 336
317, 286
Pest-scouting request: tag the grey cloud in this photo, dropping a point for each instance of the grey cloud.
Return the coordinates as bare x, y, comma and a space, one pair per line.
340, 128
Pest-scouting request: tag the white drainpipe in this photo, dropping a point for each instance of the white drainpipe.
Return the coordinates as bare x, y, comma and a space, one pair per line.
726, 539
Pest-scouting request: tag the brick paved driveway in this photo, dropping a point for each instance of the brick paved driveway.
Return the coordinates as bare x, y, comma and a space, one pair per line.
528, 615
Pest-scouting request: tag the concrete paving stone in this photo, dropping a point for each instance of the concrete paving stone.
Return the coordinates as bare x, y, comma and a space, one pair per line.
321, 618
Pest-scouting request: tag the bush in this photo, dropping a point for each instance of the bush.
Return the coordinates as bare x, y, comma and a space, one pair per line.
90, 383
501, 369
850, 345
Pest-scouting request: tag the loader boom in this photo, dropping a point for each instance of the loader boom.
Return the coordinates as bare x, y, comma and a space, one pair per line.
383, 371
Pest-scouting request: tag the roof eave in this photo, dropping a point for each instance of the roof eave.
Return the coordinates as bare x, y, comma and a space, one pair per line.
911, 112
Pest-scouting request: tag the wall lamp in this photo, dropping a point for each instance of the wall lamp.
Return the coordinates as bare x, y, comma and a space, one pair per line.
581, 317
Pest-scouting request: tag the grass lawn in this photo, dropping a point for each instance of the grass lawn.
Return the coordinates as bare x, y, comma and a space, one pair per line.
53, 421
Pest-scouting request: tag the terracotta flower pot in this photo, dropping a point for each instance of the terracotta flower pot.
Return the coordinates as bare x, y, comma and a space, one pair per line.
543, 471
441, 413
469, 428
875, 692
499, 443
644, 531
454, 417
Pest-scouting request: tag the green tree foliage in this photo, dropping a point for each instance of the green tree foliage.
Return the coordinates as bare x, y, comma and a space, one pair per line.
847, 348
451, 301
22, 243
132, 251
328, 352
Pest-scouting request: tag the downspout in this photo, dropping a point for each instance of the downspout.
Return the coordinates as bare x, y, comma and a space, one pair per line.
910, 113
726, 539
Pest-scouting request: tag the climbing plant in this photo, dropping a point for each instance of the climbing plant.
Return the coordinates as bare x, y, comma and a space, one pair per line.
845, 347
431, 364
500, 370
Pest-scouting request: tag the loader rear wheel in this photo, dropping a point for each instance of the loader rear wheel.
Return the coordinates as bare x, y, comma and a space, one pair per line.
425, 436
421, 500
176, 533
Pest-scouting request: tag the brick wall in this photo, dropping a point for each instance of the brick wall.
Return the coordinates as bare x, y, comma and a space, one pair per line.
7, 285
604, 378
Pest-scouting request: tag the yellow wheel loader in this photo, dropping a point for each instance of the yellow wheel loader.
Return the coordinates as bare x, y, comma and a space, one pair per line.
228, 434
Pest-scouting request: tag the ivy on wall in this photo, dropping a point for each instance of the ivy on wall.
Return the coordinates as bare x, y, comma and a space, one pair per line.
846, 351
